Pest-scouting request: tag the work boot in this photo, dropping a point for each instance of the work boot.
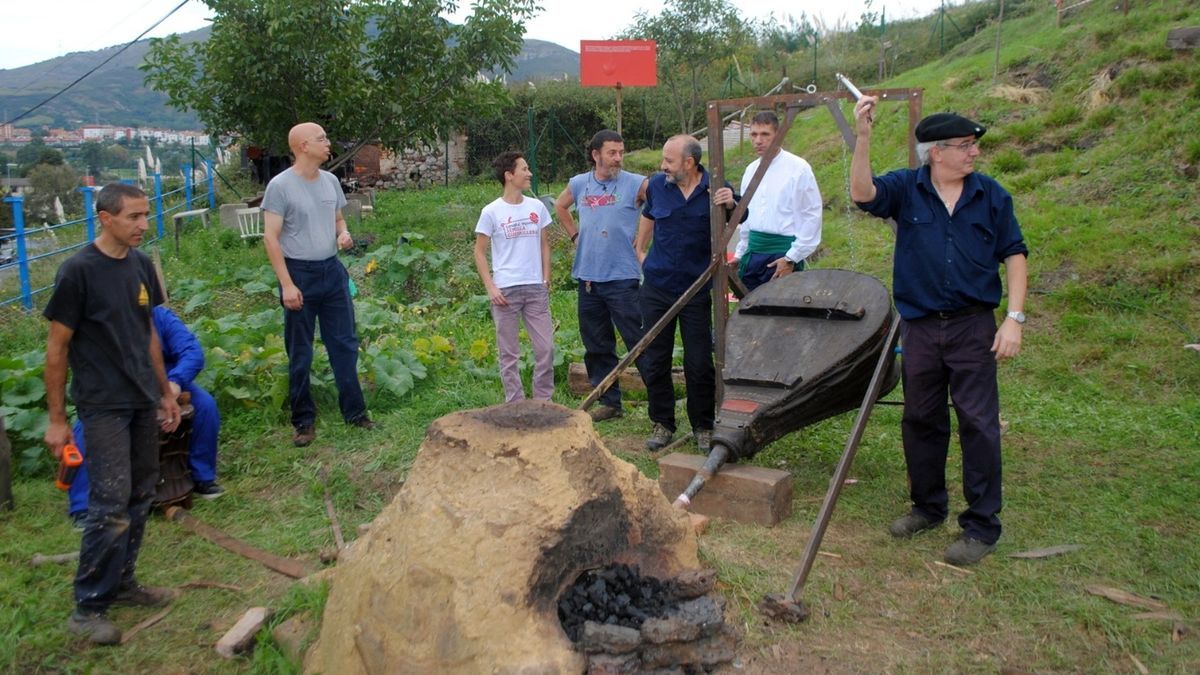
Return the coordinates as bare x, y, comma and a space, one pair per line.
95, 626
659, 438
137, 595
703, 440
599, 413
305, 434
967, 551
364, 423
908, 525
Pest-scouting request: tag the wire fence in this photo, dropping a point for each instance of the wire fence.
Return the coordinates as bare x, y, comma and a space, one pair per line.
30, 256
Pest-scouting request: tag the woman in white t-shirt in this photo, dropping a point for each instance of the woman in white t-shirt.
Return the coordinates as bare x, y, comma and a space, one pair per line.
519, 281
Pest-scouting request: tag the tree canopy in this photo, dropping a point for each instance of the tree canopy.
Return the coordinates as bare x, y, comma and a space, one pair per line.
387, 71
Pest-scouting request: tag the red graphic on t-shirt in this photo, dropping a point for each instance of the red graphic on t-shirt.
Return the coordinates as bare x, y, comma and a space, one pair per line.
599, 200
533, 217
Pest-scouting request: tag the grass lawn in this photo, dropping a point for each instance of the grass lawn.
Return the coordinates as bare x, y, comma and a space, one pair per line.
1102, 448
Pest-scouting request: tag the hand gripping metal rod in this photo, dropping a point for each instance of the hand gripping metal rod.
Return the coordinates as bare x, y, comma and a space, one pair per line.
845, 82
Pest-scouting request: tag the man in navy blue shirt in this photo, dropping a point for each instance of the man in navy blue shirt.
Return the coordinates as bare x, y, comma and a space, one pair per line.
676, 218
954, 228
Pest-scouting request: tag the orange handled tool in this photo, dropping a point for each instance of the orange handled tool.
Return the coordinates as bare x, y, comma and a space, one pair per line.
68, 466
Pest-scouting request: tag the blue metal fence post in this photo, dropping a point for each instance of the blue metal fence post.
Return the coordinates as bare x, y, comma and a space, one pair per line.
18, 209
187, 187
158, 202
212, 192
89, 196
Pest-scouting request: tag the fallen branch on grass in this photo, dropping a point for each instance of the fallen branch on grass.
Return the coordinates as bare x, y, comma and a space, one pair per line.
1049, 552
211, 584
1126, 598
39, 559
129, 634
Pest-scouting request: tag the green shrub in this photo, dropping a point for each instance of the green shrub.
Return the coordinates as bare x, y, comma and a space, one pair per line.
1062, 115
1007, 161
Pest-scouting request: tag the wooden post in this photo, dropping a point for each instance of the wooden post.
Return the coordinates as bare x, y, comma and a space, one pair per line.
716, 219
999, 28
618, 108
6, 495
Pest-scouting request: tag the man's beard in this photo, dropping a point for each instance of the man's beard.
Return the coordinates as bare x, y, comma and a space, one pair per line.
676, 178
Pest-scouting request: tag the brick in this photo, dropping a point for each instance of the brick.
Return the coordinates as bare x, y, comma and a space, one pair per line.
693, 619
240, 638
746, 494
613, 664
710, 651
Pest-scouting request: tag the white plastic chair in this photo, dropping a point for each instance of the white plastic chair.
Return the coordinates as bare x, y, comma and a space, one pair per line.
250, 222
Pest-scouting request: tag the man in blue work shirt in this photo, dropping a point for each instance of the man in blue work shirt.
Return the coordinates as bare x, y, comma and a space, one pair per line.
954, 228
676, 219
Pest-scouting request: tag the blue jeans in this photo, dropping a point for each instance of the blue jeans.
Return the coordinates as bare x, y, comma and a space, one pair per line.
953, 356
324, 285
123, 461
602, 305
699, 373
202, 448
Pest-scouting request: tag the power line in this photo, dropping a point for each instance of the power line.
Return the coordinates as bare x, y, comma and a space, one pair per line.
81, 78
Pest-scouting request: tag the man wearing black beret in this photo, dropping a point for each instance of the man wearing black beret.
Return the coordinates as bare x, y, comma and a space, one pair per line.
953, 229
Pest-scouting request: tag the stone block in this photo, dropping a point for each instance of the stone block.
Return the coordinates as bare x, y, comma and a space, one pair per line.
228, 215
609, 639
693, 583
613, 664
291, 636
746, 494
691, 620
710, 651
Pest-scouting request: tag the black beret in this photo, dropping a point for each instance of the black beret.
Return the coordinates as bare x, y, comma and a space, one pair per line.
940, 126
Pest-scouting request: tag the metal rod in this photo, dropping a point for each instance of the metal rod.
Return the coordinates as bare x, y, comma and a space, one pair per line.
849, 86
716, 459
843, 467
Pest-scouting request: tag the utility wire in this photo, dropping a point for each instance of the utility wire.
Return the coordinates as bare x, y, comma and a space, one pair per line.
120, 51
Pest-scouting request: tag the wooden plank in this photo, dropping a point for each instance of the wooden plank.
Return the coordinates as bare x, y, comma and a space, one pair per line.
746, 494
1183, 38
577, 379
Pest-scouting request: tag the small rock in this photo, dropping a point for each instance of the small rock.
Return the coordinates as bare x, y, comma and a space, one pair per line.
693, 619
710, 651
613, 664
609, 639
240, 638
291, 635
690, 584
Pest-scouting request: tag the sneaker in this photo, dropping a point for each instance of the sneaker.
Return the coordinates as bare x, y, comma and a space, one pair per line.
78, 520
208, 489
659, 438
138, 595
95, 626
305, 434
600, 413
967, 551
910, 524
363, 422
703, 439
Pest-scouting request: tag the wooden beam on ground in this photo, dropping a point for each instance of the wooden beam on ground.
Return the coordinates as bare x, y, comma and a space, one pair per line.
286, 566
746, 494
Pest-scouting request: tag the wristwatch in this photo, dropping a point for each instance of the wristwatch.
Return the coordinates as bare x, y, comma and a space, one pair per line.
1019, 317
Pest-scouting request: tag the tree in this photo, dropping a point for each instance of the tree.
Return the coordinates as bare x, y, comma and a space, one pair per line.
92, 154
47, 181
389, 71
693, 36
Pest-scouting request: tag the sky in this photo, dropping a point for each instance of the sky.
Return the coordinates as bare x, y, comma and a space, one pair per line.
43, 29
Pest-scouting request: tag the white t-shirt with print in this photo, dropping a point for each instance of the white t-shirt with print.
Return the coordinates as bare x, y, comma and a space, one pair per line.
516, 234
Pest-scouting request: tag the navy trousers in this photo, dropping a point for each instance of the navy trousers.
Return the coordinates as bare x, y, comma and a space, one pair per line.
123, 462
325, 287
695, 327
953, 356
602, 305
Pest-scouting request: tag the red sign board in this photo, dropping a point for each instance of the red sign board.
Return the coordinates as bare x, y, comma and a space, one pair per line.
628, 63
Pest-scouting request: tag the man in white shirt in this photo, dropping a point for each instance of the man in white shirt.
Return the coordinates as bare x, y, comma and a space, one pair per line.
784, 227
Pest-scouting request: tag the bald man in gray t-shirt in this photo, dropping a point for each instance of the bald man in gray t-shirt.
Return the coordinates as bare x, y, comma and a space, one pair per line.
303, 228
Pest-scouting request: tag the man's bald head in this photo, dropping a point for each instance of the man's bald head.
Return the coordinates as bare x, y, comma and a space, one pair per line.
305, 131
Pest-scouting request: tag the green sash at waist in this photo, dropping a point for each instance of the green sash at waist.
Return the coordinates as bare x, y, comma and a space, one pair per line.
764, 242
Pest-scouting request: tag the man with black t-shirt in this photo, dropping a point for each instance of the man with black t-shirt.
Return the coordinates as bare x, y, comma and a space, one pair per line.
100, 325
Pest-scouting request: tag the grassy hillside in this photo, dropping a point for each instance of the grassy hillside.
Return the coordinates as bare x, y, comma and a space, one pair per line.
1102, 448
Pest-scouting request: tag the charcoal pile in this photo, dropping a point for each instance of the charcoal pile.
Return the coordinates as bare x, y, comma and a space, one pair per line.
627, 623
617, 596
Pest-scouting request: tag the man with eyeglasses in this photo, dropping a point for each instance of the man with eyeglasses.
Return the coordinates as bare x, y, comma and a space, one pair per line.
303, 229
953, 229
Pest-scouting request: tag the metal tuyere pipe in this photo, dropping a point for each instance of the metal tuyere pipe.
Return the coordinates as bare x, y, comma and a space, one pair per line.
716, 459
845, 82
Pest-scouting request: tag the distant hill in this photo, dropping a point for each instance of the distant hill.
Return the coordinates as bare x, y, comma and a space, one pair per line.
115, 93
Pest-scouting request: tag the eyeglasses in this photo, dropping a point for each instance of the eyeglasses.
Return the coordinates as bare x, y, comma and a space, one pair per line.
965, 146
